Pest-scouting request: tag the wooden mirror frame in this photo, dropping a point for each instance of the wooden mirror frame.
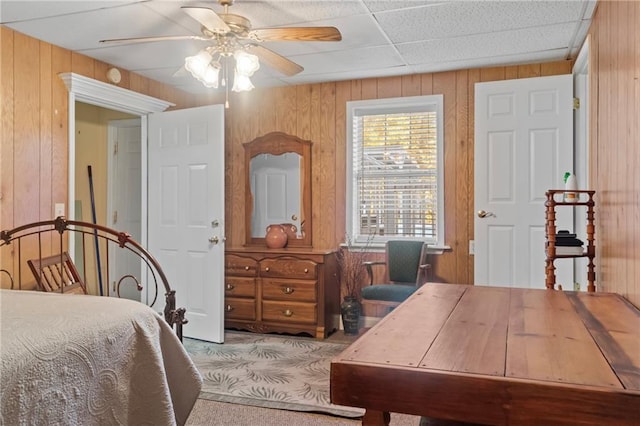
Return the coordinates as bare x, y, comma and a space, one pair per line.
278, 143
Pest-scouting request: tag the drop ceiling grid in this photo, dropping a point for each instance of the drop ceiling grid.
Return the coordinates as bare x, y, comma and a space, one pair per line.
380, 37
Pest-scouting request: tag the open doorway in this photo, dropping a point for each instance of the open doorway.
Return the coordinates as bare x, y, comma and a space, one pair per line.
109, 142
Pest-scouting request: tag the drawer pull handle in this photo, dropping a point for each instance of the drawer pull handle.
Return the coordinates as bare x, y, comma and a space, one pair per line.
306, 270
230, 286
229, 308
246, 268
288, 313
266, 269
287, 290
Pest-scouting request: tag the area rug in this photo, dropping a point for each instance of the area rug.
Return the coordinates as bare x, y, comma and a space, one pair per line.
289, 373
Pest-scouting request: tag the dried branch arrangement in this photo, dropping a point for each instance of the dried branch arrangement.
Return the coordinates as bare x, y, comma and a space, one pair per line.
351, 270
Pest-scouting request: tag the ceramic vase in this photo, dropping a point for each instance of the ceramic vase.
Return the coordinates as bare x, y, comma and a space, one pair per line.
276, 237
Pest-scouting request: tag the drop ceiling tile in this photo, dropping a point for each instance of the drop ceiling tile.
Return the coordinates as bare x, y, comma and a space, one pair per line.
473, 17
12, 11
350, 75
487, 45
481, 62
353, 59
144, 55
382, 5
133, 20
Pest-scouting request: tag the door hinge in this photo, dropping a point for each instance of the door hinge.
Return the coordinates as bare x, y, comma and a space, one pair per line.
115, 149
576, 103
115, 217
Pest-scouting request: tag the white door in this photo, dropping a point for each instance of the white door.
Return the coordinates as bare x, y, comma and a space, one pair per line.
523, 147
124, 198
186, 212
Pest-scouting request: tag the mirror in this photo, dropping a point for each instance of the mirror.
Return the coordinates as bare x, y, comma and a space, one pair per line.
278, 188
275, 185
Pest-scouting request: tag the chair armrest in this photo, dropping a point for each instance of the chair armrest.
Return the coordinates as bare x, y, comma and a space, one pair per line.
422, 274
369, 265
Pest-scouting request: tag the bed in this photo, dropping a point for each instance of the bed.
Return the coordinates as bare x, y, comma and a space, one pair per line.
72, 351
88, 360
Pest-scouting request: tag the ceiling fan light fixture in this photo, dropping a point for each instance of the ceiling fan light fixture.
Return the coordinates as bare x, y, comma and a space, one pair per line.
197, 64
233, 35
241, 83
246, 63
210, 77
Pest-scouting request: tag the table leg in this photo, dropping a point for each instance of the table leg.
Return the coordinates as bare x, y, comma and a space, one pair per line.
376, 418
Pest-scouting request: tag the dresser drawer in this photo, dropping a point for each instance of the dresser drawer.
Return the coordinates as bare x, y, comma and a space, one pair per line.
244, 309
289, 290
289, 268
239, 287
290, 312
238, 265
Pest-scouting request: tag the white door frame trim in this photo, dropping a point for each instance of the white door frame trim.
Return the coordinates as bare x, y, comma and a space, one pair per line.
98, 93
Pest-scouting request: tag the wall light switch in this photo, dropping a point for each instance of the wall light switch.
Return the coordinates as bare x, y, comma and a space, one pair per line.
58, 210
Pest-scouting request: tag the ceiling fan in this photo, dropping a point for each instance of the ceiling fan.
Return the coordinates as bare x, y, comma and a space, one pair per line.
232, 36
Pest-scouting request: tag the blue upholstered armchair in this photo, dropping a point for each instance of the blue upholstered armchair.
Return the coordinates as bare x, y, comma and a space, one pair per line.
406, 271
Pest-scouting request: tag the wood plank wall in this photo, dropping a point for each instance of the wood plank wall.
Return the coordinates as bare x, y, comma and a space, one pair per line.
38, 142
34, 125
318, 112
33, 139
614, 72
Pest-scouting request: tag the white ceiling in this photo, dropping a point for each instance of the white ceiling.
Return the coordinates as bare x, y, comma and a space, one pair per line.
379, 37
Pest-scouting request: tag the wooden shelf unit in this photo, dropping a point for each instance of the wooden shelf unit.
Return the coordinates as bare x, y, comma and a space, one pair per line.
550, 230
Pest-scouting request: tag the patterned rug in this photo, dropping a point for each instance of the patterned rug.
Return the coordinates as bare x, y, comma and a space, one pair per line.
289, 373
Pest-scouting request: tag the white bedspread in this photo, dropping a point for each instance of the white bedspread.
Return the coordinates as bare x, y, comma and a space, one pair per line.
90, 360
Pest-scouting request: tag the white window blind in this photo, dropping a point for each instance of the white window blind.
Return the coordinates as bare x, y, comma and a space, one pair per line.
396, 168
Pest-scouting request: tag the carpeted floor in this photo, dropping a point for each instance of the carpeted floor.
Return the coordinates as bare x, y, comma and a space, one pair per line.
213, 413
270, 371
207, 412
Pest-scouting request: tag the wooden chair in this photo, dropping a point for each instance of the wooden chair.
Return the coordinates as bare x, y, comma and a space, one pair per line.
406, 270
57, 273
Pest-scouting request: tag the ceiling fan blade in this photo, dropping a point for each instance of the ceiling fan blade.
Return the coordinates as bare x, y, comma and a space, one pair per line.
152, 39
208, 18
297, 34
274, 60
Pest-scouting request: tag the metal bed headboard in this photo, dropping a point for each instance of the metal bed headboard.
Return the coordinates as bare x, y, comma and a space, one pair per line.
51, 237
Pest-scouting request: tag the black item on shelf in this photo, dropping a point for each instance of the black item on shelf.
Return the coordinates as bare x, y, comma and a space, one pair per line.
565, 239
563, 233
569, 243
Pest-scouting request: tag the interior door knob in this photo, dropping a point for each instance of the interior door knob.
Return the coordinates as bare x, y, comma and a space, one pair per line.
482, 214
214, 240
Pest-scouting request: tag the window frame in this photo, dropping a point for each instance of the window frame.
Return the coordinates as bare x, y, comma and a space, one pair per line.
393, 105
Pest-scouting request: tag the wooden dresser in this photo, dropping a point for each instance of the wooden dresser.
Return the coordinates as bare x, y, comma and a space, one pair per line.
292, 290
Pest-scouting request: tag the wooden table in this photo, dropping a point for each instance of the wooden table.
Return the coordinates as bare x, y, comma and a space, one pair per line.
495, 355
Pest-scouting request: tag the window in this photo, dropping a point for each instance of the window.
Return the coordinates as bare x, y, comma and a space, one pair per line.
394, 169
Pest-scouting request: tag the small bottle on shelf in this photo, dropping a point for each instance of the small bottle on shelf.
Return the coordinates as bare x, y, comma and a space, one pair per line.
570, 185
